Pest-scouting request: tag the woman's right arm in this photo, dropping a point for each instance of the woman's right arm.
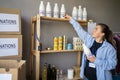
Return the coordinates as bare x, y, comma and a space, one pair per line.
85, 36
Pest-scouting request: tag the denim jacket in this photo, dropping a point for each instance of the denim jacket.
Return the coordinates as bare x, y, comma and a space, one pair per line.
106, 55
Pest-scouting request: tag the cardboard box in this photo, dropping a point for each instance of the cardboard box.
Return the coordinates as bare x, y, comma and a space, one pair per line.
11, 47
12, 70
10, 21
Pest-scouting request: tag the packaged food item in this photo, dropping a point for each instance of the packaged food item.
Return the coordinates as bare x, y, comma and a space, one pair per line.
55, 47
84, 14
60, 43
41, 9
48, 10
74, 13
49, 72
62, 11
80, 13
44, 72
64, 42
53, 74
77, 43
70, 73
69, 46
56, 11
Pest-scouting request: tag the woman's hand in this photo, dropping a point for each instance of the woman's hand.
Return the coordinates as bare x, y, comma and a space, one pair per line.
68, 17
91, 59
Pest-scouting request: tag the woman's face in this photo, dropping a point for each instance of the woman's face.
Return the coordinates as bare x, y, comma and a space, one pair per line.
97, 32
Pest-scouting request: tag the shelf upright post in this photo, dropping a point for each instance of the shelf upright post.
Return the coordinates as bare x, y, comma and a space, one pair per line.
37, 52
32, 45
79, 58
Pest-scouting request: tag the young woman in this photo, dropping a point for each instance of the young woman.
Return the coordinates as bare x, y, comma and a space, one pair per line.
102, 46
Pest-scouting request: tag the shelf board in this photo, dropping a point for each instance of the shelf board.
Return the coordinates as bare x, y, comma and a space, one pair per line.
60, 19
59, 51
83, 23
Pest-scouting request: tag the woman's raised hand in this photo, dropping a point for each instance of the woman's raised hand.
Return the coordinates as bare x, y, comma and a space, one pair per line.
68, 17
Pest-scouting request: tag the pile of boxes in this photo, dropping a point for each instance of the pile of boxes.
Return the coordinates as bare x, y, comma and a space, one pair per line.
12, 67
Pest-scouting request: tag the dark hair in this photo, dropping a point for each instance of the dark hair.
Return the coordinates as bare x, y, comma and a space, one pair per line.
108, 34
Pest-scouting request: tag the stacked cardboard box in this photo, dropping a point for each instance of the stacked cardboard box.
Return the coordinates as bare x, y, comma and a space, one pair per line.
12, 67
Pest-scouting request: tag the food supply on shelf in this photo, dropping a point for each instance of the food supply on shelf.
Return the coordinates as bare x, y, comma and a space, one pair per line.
55, 43
49, 72
44, 72
77, 43
69, 46
60, 43
62, 11
70, 73
74, 13
80, 13
48, 10
56, 11
54, 71
41, 9
64, 42
84, 14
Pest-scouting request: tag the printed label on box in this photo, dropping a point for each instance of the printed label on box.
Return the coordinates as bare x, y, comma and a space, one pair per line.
5, 76
8, 46
9, 22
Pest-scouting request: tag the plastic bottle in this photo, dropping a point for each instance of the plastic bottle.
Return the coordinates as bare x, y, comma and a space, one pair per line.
44, 72
49, 72
56, 11
61, 77
62, 11
48, 10
57, 75
84, 14
54, 72
74, 13
80, 13
41, 9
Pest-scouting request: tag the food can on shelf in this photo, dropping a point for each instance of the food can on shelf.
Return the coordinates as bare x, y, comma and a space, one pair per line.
60, 39
55, 46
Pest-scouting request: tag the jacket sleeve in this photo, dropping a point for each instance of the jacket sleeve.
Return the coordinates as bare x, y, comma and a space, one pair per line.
85, 36
109, 63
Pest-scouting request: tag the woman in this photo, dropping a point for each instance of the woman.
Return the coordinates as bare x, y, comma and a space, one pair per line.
102, 47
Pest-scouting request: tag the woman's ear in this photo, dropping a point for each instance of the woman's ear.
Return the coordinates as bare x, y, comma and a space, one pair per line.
103, 34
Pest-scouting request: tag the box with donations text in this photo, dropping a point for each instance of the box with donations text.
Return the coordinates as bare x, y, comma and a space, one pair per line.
12, 67
10, 47
10, 21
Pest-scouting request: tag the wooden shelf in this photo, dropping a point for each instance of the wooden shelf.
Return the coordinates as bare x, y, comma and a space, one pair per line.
59, 51
60, 19
83, 23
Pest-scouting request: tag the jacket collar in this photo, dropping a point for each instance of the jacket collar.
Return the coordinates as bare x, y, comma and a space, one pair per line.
104, 43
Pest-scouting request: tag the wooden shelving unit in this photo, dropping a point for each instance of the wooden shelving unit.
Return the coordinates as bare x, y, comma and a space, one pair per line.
36, 26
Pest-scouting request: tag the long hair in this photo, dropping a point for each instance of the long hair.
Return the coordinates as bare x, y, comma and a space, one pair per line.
108, 34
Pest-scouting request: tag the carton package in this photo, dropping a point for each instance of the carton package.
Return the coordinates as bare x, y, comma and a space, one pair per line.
77, 43
12, 70
10, 21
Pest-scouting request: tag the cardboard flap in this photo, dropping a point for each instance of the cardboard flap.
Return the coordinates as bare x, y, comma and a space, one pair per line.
7, 64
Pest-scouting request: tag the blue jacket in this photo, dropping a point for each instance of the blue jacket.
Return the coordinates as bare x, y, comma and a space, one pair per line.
106, 55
